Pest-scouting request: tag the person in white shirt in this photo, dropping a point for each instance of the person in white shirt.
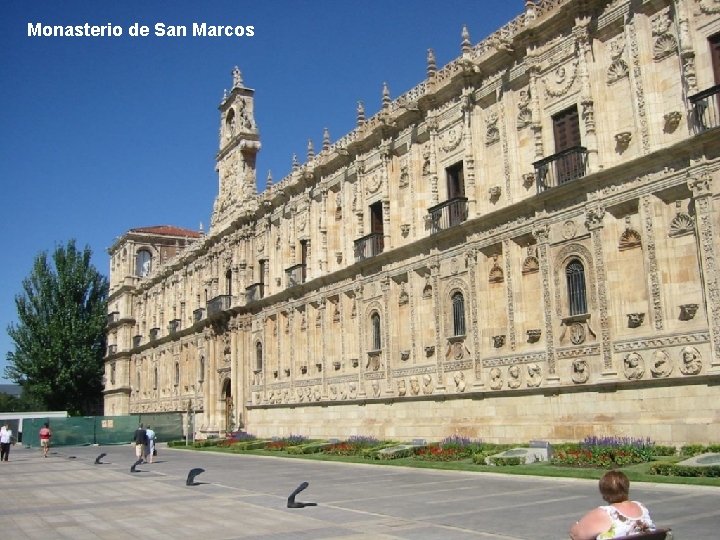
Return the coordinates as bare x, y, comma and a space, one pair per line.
5, 441
150, 434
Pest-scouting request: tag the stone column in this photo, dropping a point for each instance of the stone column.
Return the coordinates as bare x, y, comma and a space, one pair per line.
636, 83
542, 236
656, 317
512, 339
437, 314
468, 104
586, 100
706, 239
594, 222
385, 287
471, 256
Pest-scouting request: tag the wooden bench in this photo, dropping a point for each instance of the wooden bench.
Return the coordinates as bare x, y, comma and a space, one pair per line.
657, 534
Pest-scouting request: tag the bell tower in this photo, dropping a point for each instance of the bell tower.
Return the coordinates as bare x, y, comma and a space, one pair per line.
235, 160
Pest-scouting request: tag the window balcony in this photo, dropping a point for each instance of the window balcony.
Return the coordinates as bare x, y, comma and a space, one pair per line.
219, 303
174, 326
255, 292
154, 333
561, 168
113, 317
112, 349
369, 246
198, 315
448, 214
296, 274
705, 109
137, 340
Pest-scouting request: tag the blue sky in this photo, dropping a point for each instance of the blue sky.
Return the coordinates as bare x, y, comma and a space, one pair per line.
100, 135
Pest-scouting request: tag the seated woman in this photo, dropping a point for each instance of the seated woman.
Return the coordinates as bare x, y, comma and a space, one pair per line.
621, 517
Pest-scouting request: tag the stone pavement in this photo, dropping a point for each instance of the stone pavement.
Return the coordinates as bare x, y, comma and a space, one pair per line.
68, 496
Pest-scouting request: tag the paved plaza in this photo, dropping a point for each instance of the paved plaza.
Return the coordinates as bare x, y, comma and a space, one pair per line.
68, 496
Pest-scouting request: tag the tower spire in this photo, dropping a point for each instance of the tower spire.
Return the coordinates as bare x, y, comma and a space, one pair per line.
385, 96
466, 45
431, 65
360, 113
326, 139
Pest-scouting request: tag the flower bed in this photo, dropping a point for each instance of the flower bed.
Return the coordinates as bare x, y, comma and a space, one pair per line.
605, 452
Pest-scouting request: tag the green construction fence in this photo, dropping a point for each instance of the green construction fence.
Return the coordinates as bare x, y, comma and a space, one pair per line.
102, 430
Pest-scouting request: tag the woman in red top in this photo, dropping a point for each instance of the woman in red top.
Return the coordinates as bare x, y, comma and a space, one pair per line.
45, 435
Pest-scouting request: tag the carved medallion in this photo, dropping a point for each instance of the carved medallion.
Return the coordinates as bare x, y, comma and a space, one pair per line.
496, 380
633, 366
577, 333
514, 376
660, 366
580, 371
690, 361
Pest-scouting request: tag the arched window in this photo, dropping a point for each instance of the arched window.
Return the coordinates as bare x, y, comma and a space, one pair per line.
155, 378
201, 375
143, 263
458, 305
375, 323
575, 274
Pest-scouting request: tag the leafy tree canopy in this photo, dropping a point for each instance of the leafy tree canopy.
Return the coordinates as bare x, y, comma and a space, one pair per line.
60, 335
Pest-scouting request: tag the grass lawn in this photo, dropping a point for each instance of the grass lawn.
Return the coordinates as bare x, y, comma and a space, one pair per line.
636, 473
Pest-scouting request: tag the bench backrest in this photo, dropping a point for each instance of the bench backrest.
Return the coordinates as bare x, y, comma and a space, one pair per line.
658, 534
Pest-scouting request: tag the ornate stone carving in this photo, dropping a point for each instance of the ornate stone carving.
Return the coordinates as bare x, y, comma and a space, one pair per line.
637, 85
569, 229
618, 70
688, 311
498, 341
514, 377
709, 7
414, 386
494, 193
660, 366
633, 366
690, 361
428, 387
496, 274
671, 121
496, 379
559, 82
681, 225
622, 141
664, 42
451, 138
492, 132
524, 116
635, 319
533, 335
577, 333
580, 371
528, 180
534, 375
459, 380
401, 387
629, 239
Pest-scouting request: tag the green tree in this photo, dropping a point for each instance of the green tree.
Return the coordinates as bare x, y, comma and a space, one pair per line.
60, 335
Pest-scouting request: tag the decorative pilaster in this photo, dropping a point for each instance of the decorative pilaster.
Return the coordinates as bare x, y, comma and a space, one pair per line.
542, 236
324, 264
468, 103
471, 257
636, 84
586, 101
509, 294
687, 53
437, 312
432, 160
706, 234
387, 346
651, 265
536, 114
502, 122
594, 222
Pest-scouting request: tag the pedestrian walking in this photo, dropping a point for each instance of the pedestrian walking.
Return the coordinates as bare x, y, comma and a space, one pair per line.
6, 439
45, 436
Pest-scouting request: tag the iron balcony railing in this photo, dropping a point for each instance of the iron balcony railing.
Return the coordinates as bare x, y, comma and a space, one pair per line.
255, 292
705, 109
369, 246
173, 326
296, 274
561, 168
198, 315
448, 214
218, 304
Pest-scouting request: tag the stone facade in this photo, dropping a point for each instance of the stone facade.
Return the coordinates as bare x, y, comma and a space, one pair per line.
522, 246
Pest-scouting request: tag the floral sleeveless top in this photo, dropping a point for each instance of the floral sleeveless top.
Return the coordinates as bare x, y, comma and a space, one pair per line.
623, 525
